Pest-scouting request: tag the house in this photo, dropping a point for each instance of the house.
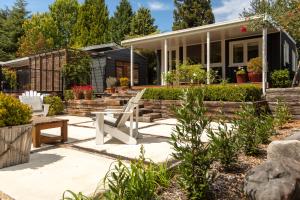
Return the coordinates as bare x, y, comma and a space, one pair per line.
222, 47
113, 60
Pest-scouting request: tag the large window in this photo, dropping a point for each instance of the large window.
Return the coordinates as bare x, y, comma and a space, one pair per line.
194, 53
240, 52
215, 52
123, 70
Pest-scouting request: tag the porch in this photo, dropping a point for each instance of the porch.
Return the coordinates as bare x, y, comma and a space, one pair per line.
222, 47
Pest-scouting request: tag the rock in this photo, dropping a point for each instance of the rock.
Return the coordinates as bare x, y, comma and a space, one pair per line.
280, 150
295, 136
274, 180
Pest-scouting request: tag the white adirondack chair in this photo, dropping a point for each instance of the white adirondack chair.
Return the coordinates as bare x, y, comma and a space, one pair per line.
35, 101
116, 127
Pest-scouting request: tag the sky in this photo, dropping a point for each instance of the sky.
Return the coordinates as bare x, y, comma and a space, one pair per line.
162, 10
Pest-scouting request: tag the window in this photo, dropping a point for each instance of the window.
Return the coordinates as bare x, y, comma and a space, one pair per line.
123, 70
240, 52
194, 53
215, 52
286, 53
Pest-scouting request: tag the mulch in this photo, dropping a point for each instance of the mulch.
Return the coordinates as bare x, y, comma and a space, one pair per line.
228, 185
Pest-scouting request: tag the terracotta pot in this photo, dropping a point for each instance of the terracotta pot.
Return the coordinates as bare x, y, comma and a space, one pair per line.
88, 95
241, 78
255, 77
111, 90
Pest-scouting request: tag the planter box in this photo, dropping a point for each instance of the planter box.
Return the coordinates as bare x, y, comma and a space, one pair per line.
15, 145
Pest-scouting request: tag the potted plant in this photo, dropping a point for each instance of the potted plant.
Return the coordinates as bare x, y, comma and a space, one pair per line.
111, 83
254, 68
77, 92
88, 92
15, 131
124, 82
241, 75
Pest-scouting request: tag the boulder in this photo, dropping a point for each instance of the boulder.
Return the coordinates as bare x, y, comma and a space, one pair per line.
280, 150
274, 180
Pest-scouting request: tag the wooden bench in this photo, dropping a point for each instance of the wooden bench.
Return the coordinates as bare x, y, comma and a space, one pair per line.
42, 123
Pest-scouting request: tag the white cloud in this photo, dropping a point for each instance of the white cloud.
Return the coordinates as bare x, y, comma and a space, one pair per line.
230, 9
158, 6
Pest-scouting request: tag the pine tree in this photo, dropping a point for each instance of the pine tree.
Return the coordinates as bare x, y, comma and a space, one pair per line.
120, 22
64, 14
192, 13
92, 24
142, 23
5, 41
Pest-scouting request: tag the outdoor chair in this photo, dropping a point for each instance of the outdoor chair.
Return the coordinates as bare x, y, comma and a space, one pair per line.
35, 101
116, 127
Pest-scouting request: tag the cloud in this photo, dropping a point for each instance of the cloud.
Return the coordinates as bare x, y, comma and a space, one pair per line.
230, 9
158, 6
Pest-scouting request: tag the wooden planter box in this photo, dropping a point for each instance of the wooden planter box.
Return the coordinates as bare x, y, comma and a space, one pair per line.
15, 145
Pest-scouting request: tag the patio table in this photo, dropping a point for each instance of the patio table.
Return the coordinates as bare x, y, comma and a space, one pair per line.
42, 123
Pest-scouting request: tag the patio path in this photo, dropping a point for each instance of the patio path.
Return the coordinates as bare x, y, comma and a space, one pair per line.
80, 164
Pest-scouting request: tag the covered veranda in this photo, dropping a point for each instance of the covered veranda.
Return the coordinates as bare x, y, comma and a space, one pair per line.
212, 46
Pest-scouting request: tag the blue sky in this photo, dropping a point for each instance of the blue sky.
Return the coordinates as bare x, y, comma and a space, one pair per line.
162, 10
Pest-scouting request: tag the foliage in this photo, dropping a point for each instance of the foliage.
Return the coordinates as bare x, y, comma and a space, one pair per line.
13, 112
282, 114
68, 95
236, 93
10, 77
56, 105
142, 23
64, 14
78, 69
74, 196
225, 144
111, 82
138, 181
170, 77
255, 65
193, 153
77, 92
192, 73
281, 78
120, 22
190, 13
92, 23
241, 71
124, 81
252, 129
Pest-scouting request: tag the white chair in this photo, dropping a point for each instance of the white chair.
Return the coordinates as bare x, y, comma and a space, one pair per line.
35, 101
116, 127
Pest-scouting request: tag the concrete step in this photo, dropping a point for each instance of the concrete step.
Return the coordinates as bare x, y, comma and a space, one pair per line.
150, 117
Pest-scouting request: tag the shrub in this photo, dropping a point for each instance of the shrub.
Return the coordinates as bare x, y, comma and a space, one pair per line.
56, 105
237, 93
13, 112
282, 114
192, 73
111, 82
225, 144
124, 81
68, 95
10, 77
74, 196
281, 78
170, 77
193, 153
255, 65
139, 181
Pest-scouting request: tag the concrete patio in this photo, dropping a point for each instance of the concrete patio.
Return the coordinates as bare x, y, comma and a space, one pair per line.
80, 164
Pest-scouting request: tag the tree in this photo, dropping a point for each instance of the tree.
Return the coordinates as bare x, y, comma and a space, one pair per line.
64, 14
285, 13
120, 22
41, 34
5, 41
142, 23
192, 13
92, 24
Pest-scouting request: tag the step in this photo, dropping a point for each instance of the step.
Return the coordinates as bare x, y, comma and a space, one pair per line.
150, 117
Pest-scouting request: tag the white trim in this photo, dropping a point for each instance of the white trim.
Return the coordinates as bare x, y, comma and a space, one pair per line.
223, 55
208, 57
166, 58
245, 51
294, 60
131, 65
286, 53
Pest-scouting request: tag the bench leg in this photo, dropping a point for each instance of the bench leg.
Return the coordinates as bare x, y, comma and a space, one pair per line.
64, 132
36, 137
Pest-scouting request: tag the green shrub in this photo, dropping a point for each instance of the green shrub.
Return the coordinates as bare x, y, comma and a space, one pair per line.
237, 93
68, 95
56, 105
225, 144
282, 114
193, 153
255, 65
13, 112
10, 77
138, 181
74, 196
281, 78
124, 82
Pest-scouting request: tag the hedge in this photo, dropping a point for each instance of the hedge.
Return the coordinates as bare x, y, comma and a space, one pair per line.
234, 93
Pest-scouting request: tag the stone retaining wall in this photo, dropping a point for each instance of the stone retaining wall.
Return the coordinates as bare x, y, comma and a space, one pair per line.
290, 96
